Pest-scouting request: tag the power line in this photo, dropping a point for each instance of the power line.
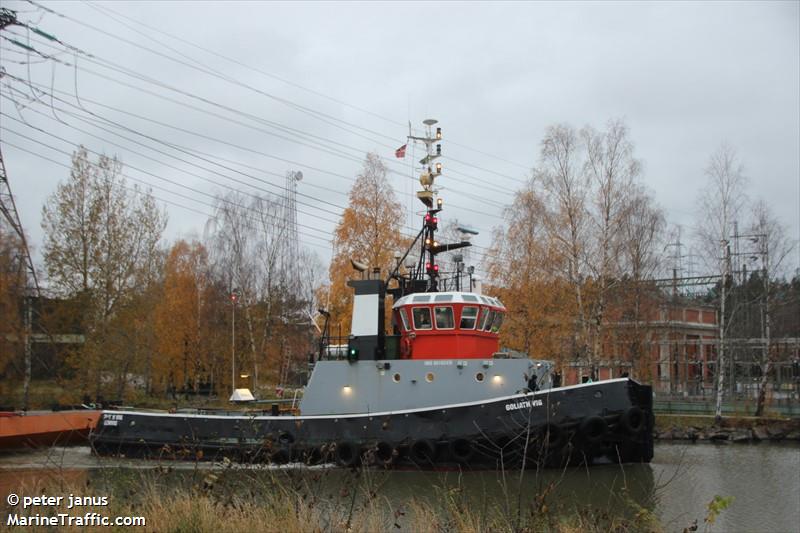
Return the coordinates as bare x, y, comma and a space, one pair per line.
209, 71
139, 191
105, 10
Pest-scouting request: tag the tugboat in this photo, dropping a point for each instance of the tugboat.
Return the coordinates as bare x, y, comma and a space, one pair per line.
437, 392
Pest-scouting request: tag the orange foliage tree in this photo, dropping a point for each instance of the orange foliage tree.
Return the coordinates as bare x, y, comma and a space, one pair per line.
184, 356
522, 261
12, 287
369, 232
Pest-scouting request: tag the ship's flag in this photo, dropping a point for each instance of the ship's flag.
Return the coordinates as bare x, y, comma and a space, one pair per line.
400, 153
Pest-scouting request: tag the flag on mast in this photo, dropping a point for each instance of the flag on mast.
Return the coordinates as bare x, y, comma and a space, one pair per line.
400, 153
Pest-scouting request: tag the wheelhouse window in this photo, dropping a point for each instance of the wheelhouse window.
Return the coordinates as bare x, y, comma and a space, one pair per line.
487, 324
444, 317
484, 315
498, 322
404, 319
469, 315
422, 318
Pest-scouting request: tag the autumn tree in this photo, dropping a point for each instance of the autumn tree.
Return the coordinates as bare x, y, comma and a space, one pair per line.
639, 258
612, 170
275, 279
720, 205
12, 290
521, 260
99, 238
574, 234
773, 247
180, 317
564, 188
368, 232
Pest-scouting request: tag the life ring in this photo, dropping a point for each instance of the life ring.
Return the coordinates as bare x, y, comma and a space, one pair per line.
406, 347
593, 429
347, 454
461, 450
633, 420
423, 452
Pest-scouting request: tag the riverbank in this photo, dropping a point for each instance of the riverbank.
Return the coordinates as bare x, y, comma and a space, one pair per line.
233, 499
730, 429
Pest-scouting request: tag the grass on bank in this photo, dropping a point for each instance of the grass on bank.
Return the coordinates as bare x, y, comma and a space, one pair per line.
199, 501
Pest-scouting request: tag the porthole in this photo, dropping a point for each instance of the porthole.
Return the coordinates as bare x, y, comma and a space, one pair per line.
429, 377
479, 377
396, 378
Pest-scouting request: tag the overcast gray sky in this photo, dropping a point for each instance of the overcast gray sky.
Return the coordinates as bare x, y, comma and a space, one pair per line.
350, 76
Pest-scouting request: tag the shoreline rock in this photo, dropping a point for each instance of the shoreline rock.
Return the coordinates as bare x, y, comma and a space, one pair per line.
733, 430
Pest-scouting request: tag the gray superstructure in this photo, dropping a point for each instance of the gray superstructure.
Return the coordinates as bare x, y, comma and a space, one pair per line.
342, 387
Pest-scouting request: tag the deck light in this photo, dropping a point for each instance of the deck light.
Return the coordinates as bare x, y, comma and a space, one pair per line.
498, 380
439, 203
346, 390
438, 133
438, 168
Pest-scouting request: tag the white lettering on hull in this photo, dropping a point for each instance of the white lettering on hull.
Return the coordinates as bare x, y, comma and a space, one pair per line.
111, 419
525, 404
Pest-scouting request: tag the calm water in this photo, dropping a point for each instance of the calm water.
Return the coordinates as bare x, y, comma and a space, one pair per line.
764, 479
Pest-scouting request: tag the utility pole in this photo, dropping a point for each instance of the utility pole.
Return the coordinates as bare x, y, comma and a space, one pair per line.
234, 299
726, 257
767, 362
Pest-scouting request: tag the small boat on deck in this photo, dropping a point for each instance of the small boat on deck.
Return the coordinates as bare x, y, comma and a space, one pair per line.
436, 392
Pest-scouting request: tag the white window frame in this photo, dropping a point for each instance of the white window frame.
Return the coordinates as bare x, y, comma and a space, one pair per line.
414, 318
452, 316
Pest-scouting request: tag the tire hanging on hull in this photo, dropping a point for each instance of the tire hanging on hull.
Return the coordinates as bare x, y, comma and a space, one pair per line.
461, 450
633, 421
423, 452
593, 429
347, 454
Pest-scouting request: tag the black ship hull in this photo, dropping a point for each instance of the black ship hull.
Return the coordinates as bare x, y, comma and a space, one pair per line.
608, 420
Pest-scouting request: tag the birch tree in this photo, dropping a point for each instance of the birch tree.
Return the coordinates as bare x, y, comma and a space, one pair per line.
99, 239
773, 247
564, 188
612, 171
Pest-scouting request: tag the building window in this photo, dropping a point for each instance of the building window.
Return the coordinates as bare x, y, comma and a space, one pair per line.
444, 317
469, 315
422, 318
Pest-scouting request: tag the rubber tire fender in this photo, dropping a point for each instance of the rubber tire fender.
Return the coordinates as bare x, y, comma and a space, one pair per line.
633, 421
423, 452
384, 453
347, 453
461, 450
593, 429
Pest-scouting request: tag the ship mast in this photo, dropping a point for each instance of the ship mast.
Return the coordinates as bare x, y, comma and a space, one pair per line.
426, 265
